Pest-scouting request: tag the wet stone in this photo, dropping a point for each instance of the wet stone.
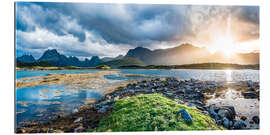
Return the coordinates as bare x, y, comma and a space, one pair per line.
256, 119
240, 124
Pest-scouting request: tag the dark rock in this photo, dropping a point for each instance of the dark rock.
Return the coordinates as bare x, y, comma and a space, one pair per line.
103, 109
185, 116
219, 122
251, 94
243, 118
169, 95
240, 124
256, 119
189, 91
226, 122
227, 111
200, 108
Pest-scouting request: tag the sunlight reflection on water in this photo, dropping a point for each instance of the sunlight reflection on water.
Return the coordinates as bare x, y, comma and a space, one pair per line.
228, 75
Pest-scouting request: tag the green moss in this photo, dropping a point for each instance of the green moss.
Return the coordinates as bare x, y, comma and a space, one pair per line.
152, 112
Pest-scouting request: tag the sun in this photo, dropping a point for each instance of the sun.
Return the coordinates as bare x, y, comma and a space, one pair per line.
225, 45
224, 42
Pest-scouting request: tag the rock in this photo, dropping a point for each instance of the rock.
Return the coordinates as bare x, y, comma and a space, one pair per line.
251, 94
219, 122
226, 122
205, 112
181, 102
125, 97
79, 129
137, 87
240, 124
227, 111
169, 95
200, 107
106, 102
186, 116
103, 109
256, 119
243, 118
212, 109
78, 119
75, 110
116, 98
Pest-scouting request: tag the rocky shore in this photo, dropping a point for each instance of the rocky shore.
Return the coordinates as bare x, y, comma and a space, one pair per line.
192, 93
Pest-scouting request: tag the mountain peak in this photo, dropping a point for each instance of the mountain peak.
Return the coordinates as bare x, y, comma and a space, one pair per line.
51, 51
50, 55
95, 60
26, 59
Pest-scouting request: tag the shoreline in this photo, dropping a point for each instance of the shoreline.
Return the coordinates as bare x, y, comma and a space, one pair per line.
201, 66
143, 68
193, 98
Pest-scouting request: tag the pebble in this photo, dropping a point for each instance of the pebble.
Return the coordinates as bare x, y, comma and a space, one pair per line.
78, 119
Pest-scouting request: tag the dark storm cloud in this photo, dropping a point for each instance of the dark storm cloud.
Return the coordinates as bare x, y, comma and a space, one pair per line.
129, 24
249, 14
119, 25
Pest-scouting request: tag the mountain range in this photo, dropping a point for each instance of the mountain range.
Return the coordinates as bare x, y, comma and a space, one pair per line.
57, 59
189, 54
183, 54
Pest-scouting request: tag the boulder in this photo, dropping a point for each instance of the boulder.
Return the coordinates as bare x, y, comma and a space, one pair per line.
185, 115
226, 122
251, 94
256, 119
227, 111
240, 124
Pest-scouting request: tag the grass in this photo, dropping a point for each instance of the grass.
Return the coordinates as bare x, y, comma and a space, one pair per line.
123, 62
152, 112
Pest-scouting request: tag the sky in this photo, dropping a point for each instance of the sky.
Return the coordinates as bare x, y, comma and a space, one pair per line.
87, 29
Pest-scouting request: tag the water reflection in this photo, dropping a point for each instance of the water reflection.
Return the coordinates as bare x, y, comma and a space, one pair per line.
228, 75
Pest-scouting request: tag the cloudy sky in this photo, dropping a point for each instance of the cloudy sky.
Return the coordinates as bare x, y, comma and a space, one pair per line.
85, 29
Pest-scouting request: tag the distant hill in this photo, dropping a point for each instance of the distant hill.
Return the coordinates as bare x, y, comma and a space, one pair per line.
187, 54
105, 59
26, 59
195, 66
32, 64
123, 62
